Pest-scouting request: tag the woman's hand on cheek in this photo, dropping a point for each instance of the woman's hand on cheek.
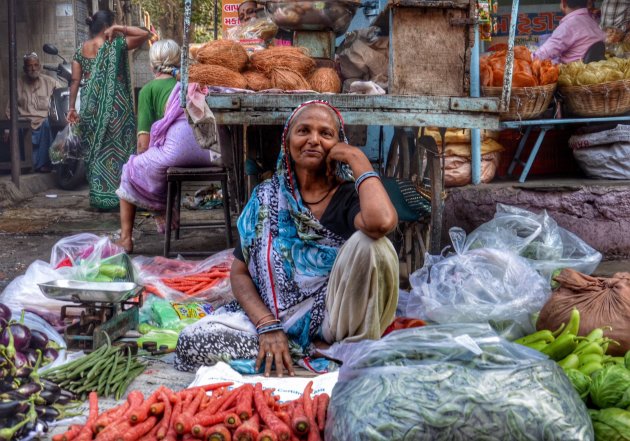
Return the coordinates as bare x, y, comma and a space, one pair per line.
274, 348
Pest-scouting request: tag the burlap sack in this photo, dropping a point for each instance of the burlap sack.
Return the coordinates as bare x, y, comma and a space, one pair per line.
601, 302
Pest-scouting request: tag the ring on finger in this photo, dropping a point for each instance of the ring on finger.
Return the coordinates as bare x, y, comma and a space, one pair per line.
269, 354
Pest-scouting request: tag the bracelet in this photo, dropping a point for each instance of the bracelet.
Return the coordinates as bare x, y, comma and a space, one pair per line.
270, 328
268, 322
174, 72
264, 317
363, 177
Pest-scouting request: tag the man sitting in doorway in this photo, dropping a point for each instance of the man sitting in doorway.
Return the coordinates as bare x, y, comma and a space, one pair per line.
575, 34
33, 94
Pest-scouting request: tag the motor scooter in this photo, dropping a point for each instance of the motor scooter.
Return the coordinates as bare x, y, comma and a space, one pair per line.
70, 173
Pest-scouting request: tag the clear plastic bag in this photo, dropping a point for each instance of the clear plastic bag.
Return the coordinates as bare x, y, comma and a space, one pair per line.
75, 257
478, 286
537, 237
451, 382
151, 271
66, 145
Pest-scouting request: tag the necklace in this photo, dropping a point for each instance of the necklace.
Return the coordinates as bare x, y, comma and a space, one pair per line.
324, 197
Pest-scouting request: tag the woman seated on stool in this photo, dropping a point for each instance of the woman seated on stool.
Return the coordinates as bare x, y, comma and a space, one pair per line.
172, 144
314, 266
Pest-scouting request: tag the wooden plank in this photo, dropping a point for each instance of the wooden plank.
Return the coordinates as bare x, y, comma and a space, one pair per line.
382, 20
366, 117
343, 102
428, 54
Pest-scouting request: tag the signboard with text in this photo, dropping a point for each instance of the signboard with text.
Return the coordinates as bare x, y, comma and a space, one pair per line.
534, 24
230, 14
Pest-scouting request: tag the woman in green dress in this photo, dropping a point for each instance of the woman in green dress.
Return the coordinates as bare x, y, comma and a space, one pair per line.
106, 120
164, 57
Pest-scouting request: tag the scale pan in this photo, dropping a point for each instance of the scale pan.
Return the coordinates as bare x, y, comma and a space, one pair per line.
90, 292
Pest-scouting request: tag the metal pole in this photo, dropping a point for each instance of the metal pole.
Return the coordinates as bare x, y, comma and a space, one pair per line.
475, 134
216, 18
184, 61
15, 136
509, 60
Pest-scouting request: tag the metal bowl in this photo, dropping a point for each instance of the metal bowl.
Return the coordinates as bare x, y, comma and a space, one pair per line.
90, 292
313, 15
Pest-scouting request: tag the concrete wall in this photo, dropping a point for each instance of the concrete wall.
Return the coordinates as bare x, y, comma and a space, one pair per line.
596, 211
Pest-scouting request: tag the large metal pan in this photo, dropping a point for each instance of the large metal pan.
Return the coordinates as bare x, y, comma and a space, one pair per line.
90, 292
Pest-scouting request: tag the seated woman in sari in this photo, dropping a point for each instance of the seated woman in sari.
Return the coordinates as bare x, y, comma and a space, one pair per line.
173, 144
314, 266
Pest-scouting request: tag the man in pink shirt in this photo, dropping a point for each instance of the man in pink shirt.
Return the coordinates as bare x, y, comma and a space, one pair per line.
575, 34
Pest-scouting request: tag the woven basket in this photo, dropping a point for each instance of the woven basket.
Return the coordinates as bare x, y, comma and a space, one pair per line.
606, 99
525, 102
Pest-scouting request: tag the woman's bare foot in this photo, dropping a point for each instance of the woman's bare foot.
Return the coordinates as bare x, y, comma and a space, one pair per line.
126, 244
320, 346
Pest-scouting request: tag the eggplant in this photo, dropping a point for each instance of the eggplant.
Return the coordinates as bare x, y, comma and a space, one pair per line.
31, 356
21, 336
8, 384
24, 372
5, 313
47, 413
3, 362
8, 408
39, 340
50, 386
29, 389
49, 397
50, 355
20, 360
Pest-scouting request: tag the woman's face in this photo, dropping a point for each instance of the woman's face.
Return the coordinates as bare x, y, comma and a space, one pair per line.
314, 131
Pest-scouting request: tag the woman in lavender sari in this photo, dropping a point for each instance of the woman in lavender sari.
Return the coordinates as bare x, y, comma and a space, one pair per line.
143, 182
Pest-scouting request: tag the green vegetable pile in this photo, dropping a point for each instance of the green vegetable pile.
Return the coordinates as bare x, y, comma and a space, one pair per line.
452, 382
108, 371
602, 381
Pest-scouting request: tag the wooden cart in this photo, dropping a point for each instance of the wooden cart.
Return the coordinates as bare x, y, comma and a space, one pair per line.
409, 106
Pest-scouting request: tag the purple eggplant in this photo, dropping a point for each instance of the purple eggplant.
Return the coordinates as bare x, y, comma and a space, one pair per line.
21, 336
50, 355
47, 413
24, 372
5, 312
31, 356
20, 360
29, 389
39, 340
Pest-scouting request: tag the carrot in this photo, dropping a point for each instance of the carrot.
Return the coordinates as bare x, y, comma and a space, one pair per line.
209, 387
139, 430
267, 435
232, 421
313, 432
141, 413
266, 414
88, 429
111, 415
229, 402
249, 430
113, 431
166, 417
299, 422
171, 433
284, 416
218, 433
69, 435
157, 408
245, 403
183, 423
322, 409
202, 421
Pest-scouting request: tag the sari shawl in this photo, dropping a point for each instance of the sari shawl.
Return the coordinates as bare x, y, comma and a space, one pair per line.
107, 124
288, 252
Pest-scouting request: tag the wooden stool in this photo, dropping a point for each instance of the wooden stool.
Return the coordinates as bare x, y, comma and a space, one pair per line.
175, 176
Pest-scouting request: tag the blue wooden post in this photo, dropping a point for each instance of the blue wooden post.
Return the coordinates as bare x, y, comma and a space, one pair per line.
475, 134
184, 60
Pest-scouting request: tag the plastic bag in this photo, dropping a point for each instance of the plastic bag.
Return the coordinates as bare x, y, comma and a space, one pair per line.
451, 382
605, 161
66, 145
75, 257
151, 272
537, 237
478, 286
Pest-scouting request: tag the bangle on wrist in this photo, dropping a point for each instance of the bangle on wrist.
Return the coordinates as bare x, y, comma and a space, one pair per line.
363, 177
264, 317
268, 322
270, 328
174, 72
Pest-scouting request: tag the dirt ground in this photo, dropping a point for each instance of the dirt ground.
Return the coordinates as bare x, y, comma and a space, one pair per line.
29, 230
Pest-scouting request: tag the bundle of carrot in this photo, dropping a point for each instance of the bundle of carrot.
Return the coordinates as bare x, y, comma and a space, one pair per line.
211, 413
193, 284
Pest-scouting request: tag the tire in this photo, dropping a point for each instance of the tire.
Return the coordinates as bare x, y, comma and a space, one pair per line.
71, 174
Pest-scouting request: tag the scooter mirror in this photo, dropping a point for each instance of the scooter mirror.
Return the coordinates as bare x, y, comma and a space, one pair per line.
51, 49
